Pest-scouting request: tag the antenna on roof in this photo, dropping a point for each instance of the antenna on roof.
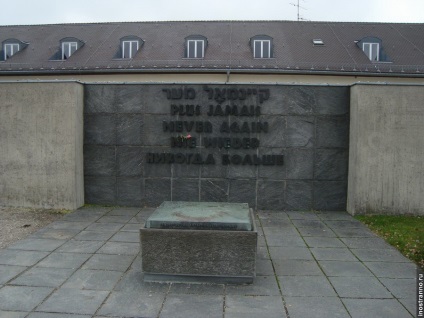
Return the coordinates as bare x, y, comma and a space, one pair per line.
298, 6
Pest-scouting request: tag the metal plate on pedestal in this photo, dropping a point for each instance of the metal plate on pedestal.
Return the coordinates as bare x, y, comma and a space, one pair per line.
201, 216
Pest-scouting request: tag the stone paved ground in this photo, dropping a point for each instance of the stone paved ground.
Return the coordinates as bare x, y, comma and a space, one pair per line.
309, 264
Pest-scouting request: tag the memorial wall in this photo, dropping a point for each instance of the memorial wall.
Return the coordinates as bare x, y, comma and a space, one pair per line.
272, 146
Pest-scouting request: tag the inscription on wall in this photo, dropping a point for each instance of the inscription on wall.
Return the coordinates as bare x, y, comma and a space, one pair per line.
191, 131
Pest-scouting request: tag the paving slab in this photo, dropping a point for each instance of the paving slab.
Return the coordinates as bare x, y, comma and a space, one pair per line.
321, 307
133, 281
12, 314
333, 254
283, 252
94, 235
128, 211
43, 277
301, 215
120, 248
78, 246
273, 222
262, 252
410, 304
262, 286
401, 287
264, 267
338, 224
316, 224
74, 301
89, 279
64, 260
201, 289
285, 231
276, 215
104, 227
392, 270
313, 231
79, 217
261, 239
63, 225
359, 287
285, 240
371, 308
131, 227
297, 268
334, 215
132, 304
132, 237
93, 210
306, 286
313, 241
22, 298
54, 315
7, 272
109, 262
365, 242
20, 258
63, 234
239, 306
196, 306
354, 232
376, 255
345, 269
32, 244
115, 219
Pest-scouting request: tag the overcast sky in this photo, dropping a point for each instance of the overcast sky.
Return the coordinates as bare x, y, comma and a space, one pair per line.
73, 11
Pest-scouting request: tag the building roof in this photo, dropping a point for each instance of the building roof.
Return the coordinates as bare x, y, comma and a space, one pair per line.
228, 47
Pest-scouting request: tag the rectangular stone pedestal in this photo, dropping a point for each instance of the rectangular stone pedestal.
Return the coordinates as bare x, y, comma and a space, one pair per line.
199, 242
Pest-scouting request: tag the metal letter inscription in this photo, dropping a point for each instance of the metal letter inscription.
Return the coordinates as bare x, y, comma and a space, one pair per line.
234, 123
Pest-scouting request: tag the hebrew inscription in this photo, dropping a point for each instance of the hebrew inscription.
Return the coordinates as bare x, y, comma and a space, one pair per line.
188, 128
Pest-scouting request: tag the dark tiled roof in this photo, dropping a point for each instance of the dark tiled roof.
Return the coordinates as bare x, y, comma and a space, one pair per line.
228, 47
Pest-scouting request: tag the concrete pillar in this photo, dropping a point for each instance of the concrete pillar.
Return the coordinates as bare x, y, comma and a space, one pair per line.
386, 154
41, 142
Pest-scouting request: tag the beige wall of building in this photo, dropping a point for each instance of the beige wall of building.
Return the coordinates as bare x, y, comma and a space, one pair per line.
41, 142
386, 154
220, 78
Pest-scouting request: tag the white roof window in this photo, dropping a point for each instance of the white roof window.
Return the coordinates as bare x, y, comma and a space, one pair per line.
262, 46
195, 46
130, 45
68, 46
373, 49
318, 42
10, 47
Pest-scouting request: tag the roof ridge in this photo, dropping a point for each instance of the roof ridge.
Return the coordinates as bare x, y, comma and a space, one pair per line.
212, 21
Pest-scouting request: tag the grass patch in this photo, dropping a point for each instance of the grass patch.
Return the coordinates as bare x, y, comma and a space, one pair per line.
406, 233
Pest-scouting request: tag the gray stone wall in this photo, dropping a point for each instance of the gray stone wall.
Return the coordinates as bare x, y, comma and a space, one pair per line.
41, 145
386, 159
307, 125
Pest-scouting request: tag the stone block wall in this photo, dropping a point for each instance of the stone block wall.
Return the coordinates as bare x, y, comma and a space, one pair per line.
307, 125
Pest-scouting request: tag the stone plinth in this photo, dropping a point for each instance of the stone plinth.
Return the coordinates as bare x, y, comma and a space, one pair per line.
199, 242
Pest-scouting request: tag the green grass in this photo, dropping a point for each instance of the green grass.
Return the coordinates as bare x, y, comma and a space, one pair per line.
406, 233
